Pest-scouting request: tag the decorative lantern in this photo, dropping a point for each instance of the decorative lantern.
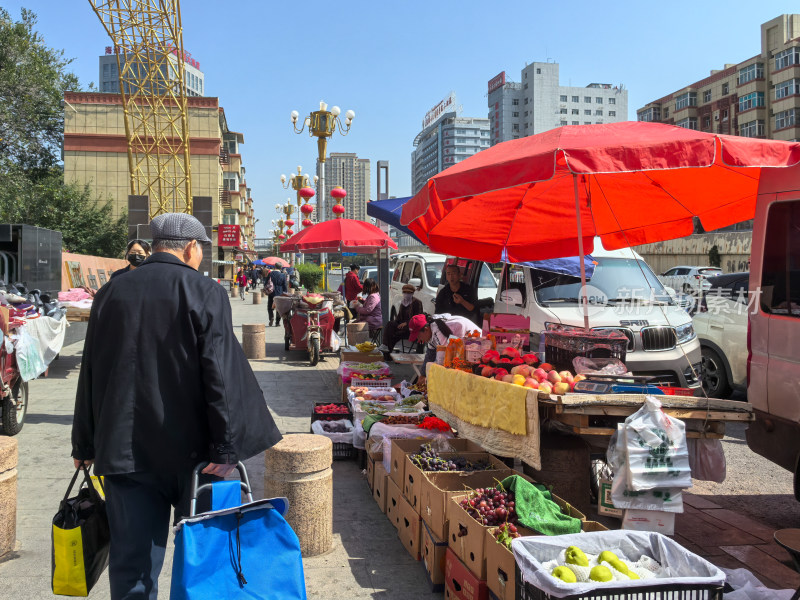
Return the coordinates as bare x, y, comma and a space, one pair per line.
306, 209
307, 222
289, 232
289, 222
306, 193
281, 237
338, 194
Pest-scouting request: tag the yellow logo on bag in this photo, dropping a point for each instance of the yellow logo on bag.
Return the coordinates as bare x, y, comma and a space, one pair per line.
69, 574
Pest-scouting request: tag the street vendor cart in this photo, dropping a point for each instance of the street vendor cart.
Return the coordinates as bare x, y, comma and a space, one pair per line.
308, 322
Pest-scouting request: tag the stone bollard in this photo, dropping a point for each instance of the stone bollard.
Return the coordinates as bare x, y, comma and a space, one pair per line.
8, 494
253, 341
257, 297
234, 291
299, 468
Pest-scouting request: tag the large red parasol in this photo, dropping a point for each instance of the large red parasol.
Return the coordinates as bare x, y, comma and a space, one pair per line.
634, 183
339, 235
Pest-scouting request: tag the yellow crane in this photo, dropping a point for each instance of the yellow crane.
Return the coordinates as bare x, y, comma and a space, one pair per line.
148, 43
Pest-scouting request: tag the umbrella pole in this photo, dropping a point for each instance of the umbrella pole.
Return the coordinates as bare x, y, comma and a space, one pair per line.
583, 299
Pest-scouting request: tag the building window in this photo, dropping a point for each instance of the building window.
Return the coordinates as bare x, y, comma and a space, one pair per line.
598, 100
588, 111
515, 127
575, 111
649, 114
106, 70
515, 114
587, 99
688, 123
562, 111
587, 122
563, 123
612, 100
576, 99
515, 102
526, 100
707, 96
599, 112
726, 88
575, 123
612, 113
525, 86
563, 98
752, 100
787, 58
684, 100
785, 118
526, 113
751, 72
752, 129
538, 71
666, 113
706, 123
787, 88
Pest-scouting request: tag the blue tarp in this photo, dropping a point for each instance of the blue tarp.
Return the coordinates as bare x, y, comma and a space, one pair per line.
389, 211
569, 265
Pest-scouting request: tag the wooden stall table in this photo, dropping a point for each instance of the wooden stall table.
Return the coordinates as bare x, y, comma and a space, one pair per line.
415, 360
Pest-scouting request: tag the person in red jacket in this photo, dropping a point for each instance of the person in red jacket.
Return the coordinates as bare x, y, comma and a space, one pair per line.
352, 285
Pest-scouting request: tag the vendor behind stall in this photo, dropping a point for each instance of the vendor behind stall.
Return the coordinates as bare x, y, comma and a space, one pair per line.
435, 331
457, 297
397, 329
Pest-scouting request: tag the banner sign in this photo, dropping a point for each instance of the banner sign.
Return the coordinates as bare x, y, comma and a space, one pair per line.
497, 81
228, 235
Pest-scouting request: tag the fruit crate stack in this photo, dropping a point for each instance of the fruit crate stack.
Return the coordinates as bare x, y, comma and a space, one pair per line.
561, 347
335, 411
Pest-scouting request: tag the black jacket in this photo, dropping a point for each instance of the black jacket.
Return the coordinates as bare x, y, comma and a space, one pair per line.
445, 303
164, 383
279, 282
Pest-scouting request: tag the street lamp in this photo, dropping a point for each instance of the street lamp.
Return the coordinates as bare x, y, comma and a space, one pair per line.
321, 124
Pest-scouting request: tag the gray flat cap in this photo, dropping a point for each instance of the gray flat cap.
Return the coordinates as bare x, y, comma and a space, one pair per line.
178, 226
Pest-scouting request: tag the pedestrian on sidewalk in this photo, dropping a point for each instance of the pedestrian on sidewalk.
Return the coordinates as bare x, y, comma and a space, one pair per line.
164, 385
241, 280
136, 253
279, 288
352, 284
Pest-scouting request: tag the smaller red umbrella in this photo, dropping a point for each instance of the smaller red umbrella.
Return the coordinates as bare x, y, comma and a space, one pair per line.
339, 235
274, 260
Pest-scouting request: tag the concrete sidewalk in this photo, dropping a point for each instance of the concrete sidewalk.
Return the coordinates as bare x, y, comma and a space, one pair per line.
367, 559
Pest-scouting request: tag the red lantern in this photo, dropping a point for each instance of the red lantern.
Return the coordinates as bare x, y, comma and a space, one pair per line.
289, 222
289, 232
307, 222
281, 237
338, 193
306, 192
337, 209
306, 209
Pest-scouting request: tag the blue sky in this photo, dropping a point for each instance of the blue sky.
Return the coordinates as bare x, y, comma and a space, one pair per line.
391, 62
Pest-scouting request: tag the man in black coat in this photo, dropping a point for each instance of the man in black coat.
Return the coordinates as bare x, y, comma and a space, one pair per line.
164, 385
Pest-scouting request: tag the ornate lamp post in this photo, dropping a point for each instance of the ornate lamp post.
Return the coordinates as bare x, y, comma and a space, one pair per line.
304, 187
321, 124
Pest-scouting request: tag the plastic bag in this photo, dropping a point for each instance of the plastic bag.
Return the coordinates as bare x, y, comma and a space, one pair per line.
342, 437
599, 366
335, 342
29, 356
747, 587
656, 449
707, 459
663, 499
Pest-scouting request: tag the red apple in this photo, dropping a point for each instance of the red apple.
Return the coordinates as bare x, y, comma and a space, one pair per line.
553, 377
487, 371
531, 383
508, 378
530, 359
545, 387
561, 388
540, 374
566, 376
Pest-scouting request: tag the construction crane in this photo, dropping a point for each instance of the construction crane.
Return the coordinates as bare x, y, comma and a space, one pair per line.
148, 43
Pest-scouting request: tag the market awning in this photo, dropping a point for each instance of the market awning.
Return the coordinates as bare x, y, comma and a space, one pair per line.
389, 212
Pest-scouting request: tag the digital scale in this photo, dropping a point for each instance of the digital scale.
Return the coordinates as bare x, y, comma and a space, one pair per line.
618, 384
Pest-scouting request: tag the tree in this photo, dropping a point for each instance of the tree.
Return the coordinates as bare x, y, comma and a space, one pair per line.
85, 222
33, 79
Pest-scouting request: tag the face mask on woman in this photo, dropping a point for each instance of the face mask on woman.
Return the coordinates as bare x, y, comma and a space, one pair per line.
407, 298
136, 259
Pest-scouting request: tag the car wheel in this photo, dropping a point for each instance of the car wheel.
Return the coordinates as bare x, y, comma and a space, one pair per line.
715, 376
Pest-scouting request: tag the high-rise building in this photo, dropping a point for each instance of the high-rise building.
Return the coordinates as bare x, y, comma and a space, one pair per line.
538, 103
446, 139
346, 170
758, 97
194, 79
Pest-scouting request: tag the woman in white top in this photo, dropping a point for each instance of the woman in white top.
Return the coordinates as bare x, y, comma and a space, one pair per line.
435, 330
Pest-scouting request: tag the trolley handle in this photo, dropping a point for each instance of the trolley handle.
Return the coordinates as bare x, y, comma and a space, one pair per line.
196, 488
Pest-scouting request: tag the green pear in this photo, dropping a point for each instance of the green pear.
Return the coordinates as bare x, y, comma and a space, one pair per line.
565, 574
601, 574
607, 556
575, 556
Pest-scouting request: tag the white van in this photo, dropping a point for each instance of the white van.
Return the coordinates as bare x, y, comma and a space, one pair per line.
625, 295
773, 335
425, 269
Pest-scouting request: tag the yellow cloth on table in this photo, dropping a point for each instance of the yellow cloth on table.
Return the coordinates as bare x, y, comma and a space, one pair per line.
479, 400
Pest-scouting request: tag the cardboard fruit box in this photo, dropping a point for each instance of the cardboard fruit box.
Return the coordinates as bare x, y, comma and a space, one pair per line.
434, 550
379, 486
409, 529
460, 583
437, 488
401, 447
373, 458
413, 476
393, 502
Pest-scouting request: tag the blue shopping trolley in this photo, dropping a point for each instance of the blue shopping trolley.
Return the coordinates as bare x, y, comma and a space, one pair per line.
236, 550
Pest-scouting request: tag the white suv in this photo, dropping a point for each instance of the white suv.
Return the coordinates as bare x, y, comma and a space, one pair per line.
425, 269
689, 280
721, 327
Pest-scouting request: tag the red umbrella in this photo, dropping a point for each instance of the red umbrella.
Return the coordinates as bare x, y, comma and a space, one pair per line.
339, 235
274, 260
630, 183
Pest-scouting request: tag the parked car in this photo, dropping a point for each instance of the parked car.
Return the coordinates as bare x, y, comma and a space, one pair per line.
773, 337
688, 279
422, 269
367, 272
626, 296
721, 327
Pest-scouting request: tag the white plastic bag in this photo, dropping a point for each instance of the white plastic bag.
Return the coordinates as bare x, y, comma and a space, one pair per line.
656, 447
344, 437
747, 587
29, 356
335, 342
707, 459
663, 499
